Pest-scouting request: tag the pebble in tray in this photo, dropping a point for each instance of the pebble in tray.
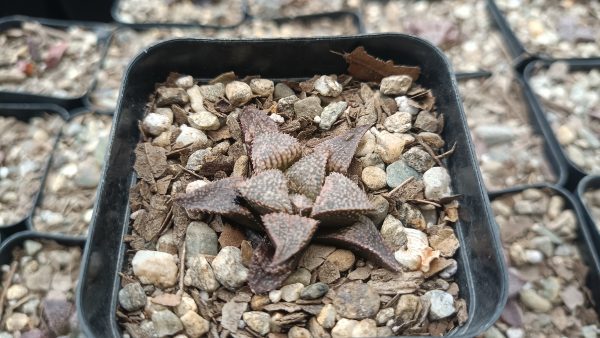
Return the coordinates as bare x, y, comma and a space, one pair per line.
316, 208
204, 12
571, 101
461, 28
43, 60
39, 299
561, 29
548, 296
25, 148
70, 190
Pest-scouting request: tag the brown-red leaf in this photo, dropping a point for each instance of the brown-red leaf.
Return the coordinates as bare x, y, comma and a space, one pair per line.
274, 150
307, 175
342, 148
264, 276
267, 191
363, 238
289, 234
340, 202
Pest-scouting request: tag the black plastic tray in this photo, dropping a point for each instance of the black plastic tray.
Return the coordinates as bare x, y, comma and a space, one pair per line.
481, 263
97, 10
17, 239
101, 30
117, 19
30, 222
25, 112
551, 154
515, 47
585, 241
575, 174
356, 18
590, 182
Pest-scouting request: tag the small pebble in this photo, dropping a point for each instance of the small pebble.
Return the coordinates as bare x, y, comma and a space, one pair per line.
16, 292
195, 326
291, 293
309, 107
327, 86
400, 122
331, 113
132, 297
392, 232
204, 120
200, 239
326, 318
418, 159
257, 321
441, 304
314, 291
282, 90
426, 122
238, 93
155, 124
166, 323
374, 178
275, 296
299, 332
535, 302
154, 267
384, 315
200, 274
437, 183
356, 300
213, 92
395, 85
228, 268
398, 172
16, 322
262, 87
189, 136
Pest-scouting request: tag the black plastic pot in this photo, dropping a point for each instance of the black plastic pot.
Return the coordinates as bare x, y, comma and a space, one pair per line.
25, 112
102, 31
588, 183
585, 241
30, 220
480, 260
574, 173
117, 18
551, 154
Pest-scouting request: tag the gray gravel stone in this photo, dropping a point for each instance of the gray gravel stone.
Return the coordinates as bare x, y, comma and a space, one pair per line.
308, 107
399, 172
166, 323
441, 304
132, 297
314, 291
200, 239
356, 300
228, 268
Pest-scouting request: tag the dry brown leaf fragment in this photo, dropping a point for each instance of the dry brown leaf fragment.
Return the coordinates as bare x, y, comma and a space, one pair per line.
365, 67
150, 162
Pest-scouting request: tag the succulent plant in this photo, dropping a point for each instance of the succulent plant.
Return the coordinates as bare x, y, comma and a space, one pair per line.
293, 199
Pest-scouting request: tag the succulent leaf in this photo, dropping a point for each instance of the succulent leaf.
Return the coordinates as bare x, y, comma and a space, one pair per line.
267, 192
289, 234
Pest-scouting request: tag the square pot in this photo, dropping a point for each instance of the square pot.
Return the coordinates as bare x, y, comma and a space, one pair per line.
481, 275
